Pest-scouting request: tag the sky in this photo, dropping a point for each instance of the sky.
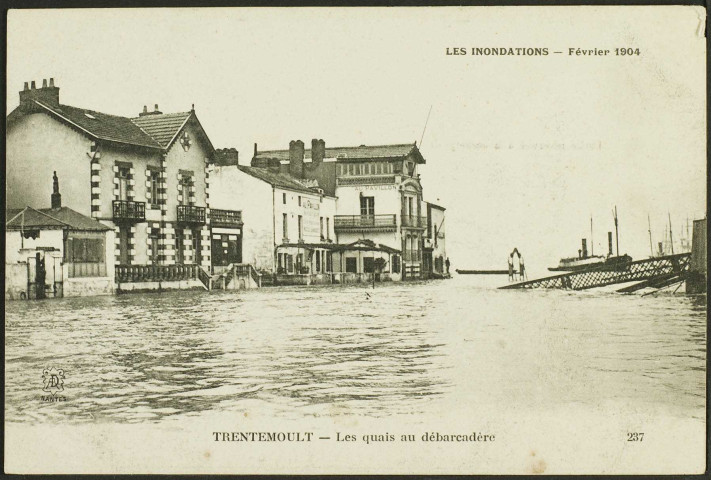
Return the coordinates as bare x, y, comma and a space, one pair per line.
522, 150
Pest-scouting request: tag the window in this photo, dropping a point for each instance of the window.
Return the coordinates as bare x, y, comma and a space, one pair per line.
154, 181
301, 227
321, 219
84, 256
283, 198
299, 200
123, 175
367, 205
318, 261
328, 228
285, 226
368, 264
153, 242
351, 265
185, 184
197, 246
396, 264
179, 247
409, 206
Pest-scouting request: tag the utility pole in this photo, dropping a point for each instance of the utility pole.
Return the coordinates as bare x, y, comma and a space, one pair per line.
592, 240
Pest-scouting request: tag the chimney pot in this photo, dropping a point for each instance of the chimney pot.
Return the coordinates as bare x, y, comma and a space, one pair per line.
51, 81
27, 86
44, 83
255, 149
32, 85
156, 107
145, 108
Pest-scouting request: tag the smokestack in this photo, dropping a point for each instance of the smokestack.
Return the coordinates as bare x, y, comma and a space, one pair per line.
255, 149
585, 248
296, 158
56, 196
609, 244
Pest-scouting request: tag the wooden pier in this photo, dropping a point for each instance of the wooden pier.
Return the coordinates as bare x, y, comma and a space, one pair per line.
652, 272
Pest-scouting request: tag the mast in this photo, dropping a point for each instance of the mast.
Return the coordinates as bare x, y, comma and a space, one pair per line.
649, 229
617, 236
592, 240
671, 238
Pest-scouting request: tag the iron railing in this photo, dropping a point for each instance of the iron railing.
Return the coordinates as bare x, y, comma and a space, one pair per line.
652, 268
191, 214
225, 218
128, 211
414, 221
364, 221
155, 273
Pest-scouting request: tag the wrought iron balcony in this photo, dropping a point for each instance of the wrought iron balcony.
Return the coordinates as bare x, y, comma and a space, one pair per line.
225, 218
191, 214
127, 211
414, 221
344, 223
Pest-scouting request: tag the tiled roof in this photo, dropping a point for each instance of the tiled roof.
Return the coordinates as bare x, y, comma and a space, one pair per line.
162, 128
280, 180
361, 152
103, 126
63, 217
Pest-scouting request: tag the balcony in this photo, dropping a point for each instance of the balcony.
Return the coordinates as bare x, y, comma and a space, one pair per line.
358, 223
412, 256
129, 212
367, 180
414, 221
190, 214
226, 218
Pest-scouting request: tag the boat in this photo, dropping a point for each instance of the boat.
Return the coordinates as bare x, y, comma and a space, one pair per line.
483, 272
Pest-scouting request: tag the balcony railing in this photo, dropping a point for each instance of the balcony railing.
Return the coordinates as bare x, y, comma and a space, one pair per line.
412, 256
350, 222
127, 211
414, 221
191, 214
155, 273
225, 218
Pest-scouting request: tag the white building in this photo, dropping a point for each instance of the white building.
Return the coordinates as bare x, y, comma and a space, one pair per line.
287, 224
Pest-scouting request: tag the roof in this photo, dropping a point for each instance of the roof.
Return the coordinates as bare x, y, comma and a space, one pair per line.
280, 180
103, 126
51, 218
163, 127
155, 131
435, 205
362, 152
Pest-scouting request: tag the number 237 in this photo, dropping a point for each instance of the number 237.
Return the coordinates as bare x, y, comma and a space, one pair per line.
635, 437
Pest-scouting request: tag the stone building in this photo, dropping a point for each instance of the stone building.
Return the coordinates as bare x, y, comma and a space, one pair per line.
146, 176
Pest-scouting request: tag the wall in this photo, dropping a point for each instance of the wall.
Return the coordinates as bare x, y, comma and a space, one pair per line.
36, 146
17, 249
313, 206
195, 160
232, 189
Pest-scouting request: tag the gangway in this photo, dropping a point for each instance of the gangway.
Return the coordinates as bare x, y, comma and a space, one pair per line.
652, 272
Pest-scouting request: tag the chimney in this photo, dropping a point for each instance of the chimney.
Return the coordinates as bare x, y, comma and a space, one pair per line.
146, 112
585, 248
56, 196
609, 244
227, 156
296, 158
318, 151
255, 149
48, 95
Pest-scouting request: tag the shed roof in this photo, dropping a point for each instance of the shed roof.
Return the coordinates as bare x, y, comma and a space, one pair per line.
51, 218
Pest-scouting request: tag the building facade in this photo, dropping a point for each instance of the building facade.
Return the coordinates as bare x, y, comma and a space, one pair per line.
378, 190
146, 177
288, 225
434, 258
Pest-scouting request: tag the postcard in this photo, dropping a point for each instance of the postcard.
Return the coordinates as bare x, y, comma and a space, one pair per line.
431, 240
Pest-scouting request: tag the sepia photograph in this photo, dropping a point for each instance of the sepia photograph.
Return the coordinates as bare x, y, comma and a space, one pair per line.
382, 240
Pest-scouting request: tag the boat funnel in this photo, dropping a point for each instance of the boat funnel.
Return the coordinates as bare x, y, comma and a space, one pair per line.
609, 244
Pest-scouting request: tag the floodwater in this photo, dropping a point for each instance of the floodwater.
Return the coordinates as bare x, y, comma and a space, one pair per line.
410, 348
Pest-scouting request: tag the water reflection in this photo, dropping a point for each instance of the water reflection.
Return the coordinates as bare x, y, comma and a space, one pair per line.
401, 349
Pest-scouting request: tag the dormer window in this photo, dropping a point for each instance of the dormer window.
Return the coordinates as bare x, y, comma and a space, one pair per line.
410, 169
